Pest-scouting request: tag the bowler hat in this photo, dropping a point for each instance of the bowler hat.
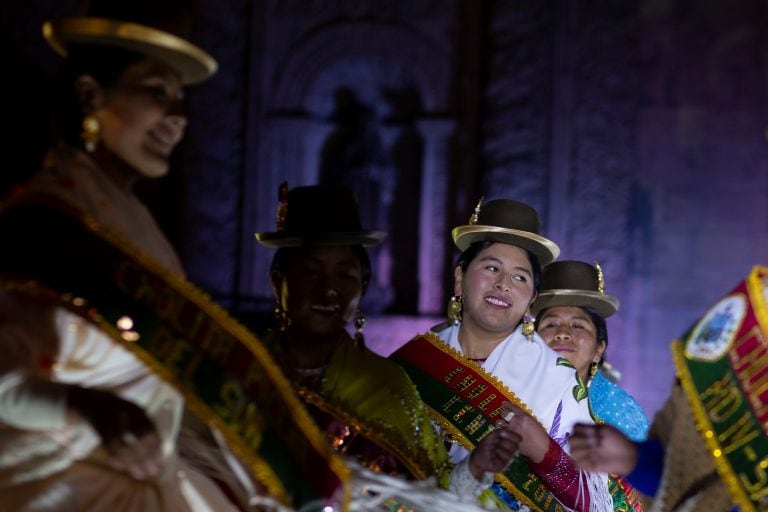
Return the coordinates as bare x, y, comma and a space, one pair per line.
150, 28
576, 284
318, 215
508, 222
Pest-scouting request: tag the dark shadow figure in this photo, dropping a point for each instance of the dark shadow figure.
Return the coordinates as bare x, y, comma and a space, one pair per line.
387, 184
406, 158
352, 156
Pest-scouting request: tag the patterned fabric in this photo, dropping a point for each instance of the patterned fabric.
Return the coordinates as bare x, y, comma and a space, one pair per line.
545, 386
614, 406
74, 178
505, 497
372, 412
559, 472
689, 480
53, 462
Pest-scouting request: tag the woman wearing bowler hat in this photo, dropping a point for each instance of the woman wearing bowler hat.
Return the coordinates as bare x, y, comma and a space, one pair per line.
84, 423
705, 448
570, 311
488, 371
367, 405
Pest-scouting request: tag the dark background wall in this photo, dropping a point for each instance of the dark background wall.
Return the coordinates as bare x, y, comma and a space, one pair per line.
637, 129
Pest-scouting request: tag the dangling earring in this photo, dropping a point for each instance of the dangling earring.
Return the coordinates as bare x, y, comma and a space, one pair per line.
455, 309
283, 320
360, 321
592, 372
91, 133
528, 328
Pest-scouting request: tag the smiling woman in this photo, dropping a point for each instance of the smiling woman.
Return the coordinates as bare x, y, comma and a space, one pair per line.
573, 332
487, 373
367, 405
570, 316
141, 116
104, 422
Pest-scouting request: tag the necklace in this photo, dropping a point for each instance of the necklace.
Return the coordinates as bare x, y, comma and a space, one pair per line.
314, 375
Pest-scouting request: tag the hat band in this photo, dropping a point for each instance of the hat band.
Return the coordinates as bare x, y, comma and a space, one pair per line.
566, 297
475, 233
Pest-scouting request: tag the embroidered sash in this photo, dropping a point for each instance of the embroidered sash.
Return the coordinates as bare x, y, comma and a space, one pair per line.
722, 362
465, 401
225, 374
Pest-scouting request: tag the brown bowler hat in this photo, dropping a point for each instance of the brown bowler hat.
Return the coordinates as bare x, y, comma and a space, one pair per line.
134, 26
576, 284
318, 215
507, 222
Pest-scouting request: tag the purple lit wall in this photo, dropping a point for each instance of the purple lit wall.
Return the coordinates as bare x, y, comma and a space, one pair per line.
637, 129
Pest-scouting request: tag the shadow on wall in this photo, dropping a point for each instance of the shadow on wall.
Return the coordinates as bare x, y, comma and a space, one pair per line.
381, 160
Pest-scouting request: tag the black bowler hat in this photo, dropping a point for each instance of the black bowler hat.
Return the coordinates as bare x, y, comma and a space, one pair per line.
508, 222
575, 284
155, 29
318, 215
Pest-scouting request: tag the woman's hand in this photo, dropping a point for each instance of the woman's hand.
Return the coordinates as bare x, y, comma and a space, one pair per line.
602, 448
534, 440
495, 452
126, 432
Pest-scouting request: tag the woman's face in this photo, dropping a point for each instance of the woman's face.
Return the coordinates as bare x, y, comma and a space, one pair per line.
141, 117
321, 289
496, 289
572, 334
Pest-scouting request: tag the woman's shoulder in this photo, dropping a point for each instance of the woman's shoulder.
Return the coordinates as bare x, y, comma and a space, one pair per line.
367, 371
613, 405
366, 361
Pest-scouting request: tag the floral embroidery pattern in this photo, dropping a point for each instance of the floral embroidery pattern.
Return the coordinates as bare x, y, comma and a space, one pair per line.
555, 428
580, 389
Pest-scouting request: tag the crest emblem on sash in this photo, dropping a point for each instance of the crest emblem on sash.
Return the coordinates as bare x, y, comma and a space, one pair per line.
712, 336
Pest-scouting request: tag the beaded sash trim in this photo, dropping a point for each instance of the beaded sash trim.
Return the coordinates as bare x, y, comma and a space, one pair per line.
224, 372
722, 362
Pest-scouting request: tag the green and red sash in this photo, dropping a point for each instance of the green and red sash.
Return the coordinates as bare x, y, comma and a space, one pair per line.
224, 372
722, 362
466, 401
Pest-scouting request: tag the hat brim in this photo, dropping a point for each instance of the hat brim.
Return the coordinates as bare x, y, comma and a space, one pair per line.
603, 304
545, 250
191, 62
278, 239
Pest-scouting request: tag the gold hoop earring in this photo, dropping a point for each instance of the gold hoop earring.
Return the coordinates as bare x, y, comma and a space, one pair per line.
360, 321
455, 309
528, 328
91, 133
